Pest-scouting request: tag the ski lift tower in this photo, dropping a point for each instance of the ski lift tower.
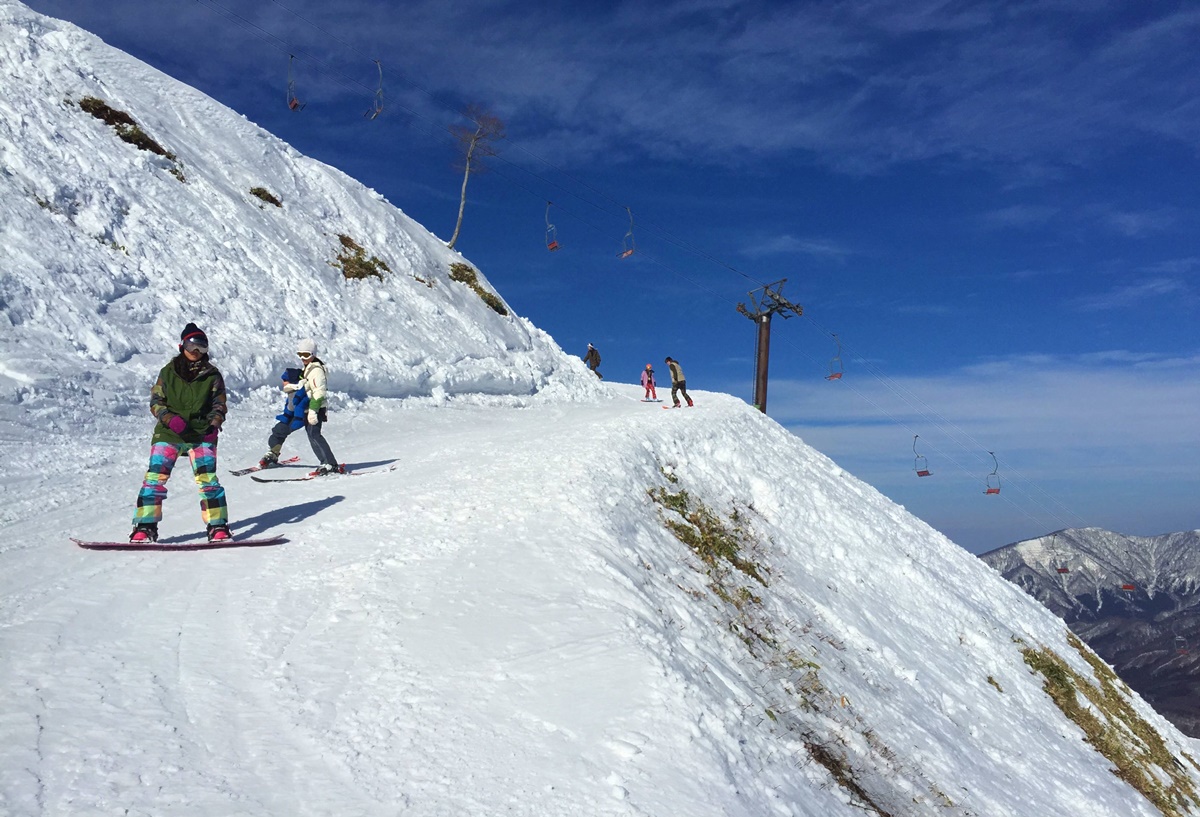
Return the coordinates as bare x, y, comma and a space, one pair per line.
767, 301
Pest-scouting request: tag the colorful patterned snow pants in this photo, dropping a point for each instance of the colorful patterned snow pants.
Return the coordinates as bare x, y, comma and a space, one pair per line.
154, 488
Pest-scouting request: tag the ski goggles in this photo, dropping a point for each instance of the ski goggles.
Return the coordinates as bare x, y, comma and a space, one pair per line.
194, 346
304, 355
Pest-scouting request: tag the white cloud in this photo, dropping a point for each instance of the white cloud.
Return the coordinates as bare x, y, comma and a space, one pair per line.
1094, 439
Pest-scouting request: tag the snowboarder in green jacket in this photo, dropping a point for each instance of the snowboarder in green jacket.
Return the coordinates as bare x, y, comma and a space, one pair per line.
188, 404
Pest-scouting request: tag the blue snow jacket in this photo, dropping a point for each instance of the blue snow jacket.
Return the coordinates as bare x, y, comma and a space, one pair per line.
295, 404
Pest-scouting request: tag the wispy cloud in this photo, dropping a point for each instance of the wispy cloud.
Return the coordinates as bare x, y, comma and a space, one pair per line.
1018, 215
855, 85
791, 245
1128, 295
1134, 224
1080, 440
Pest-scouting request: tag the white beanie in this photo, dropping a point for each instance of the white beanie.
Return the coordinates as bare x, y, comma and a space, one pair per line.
307, 345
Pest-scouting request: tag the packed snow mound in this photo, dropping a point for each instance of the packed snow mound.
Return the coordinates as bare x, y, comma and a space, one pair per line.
112, 244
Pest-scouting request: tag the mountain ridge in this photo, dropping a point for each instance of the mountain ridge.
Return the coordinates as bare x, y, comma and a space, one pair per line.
1133, 599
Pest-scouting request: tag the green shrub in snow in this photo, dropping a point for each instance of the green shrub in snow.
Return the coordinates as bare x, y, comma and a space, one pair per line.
130, 131
465, 274
354, 263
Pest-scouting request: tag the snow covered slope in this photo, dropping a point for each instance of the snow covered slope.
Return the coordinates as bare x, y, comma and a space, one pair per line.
110, 249
549, 607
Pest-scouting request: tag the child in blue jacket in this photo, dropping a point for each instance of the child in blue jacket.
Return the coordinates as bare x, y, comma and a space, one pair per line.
295, 405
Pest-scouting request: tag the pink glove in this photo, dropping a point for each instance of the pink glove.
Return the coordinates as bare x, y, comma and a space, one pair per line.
177, 424
211, 436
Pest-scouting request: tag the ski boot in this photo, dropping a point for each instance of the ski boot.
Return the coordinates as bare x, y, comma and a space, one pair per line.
269, 460
325, 469
219, 533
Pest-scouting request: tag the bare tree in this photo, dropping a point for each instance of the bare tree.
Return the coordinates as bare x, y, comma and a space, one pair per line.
476, 141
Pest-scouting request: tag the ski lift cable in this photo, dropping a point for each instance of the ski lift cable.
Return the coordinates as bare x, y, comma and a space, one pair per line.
290, 49
649, 227
944, 456
918, 406
960, 437
411, 83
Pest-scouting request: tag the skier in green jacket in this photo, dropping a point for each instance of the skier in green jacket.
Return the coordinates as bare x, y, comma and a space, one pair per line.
188, 403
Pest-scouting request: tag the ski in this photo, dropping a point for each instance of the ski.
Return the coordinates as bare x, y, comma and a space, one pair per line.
346, 472
222, 543
241, 472
671, 407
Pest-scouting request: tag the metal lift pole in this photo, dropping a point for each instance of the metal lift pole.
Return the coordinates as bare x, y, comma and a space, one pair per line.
766, 304
761, 355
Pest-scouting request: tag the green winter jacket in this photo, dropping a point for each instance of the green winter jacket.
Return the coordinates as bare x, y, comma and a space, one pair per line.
193, 391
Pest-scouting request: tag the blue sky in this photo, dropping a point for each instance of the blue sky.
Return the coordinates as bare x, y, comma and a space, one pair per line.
993, 205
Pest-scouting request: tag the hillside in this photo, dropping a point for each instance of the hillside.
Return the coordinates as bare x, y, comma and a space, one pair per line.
1133, 599
560, 601
119, 246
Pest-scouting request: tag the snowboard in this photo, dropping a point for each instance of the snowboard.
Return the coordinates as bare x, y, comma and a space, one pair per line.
241, 472
224, 543
346, 472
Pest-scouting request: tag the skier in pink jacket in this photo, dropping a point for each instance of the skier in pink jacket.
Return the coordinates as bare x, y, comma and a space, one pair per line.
648, 383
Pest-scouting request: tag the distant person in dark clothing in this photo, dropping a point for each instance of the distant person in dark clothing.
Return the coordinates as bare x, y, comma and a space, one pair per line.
678, 382
592, 359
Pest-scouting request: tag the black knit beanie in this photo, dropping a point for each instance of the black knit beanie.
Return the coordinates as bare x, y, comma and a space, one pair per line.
193, 333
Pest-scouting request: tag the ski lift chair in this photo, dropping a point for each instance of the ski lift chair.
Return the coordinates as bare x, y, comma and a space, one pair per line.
627, 244
993, 479
835, 366
377, 103
551, 232
920, 464
293, 103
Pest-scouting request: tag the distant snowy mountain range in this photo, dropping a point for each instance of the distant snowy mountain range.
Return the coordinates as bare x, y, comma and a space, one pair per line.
1134, 599
560, 601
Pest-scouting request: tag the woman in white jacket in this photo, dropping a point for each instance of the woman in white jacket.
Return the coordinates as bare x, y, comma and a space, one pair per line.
314, 381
